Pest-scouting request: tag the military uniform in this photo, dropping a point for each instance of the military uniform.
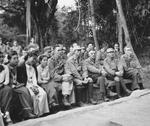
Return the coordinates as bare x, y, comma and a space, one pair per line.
130, 70
118, 54
73, 68
100, 56
86, 55
90, 70
112, 66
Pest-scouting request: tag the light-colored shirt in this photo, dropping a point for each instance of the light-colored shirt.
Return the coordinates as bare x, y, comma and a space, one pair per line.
4, 75
43, 74
31, 76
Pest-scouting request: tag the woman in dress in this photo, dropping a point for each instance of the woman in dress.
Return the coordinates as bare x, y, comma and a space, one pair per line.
44, 81
39, 96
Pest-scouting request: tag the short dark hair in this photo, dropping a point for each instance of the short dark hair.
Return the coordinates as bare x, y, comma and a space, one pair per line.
11, 54
30, 54
41, 57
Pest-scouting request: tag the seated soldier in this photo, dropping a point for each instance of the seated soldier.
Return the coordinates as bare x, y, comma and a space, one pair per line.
90, 71
113, 69
130, 69
74, 69
56, 69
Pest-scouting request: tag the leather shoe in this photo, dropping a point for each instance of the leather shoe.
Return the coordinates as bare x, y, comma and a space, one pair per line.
92, 102
105, 99
112, 94
30, 116
54, 104
128, 92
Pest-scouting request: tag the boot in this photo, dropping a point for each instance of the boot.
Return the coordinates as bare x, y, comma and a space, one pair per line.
29, 115
118, 89
79, 96
90, 95
128, 92
110, 93
141, 85
65, 101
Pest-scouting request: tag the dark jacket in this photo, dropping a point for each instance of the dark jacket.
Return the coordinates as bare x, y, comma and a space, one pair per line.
22, 74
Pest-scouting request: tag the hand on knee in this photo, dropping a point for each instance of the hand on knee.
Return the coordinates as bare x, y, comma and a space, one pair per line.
117, 79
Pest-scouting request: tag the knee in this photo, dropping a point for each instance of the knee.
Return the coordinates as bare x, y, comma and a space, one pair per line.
102, 78
7, 89
117, 79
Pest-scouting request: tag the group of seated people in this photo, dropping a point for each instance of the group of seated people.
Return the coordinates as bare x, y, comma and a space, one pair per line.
32, 85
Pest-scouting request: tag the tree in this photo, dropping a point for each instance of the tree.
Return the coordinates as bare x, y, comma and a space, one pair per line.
42, 16
126, 32
93, 24
28, 20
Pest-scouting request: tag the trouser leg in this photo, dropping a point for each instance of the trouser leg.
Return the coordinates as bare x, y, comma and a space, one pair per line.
79, 94
90, 94
90, 91
25, 101
118, 88
135, 82
6, 97
133, 75
101, 82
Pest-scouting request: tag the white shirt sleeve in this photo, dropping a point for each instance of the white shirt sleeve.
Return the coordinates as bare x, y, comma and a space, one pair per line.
6, 82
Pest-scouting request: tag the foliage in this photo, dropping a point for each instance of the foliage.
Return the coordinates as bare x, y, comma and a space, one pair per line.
44, 23
59, 26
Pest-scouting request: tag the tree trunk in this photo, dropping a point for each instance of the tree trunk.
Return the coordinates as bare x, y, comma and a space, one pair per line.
126, 32
28, 20
120, 41
94, 25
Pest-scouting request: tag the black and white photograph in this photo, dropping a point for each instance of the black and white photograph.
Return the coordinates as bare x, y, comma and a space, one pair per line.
74, 62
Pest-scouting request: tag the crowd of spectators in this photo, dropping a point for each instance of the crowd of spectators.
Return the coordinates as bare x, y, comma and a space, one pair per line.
33, 83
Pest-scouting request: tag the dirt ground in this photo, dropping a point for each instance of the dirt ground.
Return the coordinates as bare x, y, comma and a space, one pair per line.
128, 111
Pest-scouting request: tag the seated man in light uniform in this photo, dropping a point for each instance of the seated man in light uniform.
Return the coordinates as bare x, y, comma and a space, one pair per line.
91, 71
73, 68
131, 69
113, 69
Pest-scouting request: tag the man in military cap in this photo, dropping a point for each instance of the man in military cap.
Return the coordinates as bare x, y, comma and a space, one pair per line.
131, 68
73, 68
48, 51
56, 68
113, 69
